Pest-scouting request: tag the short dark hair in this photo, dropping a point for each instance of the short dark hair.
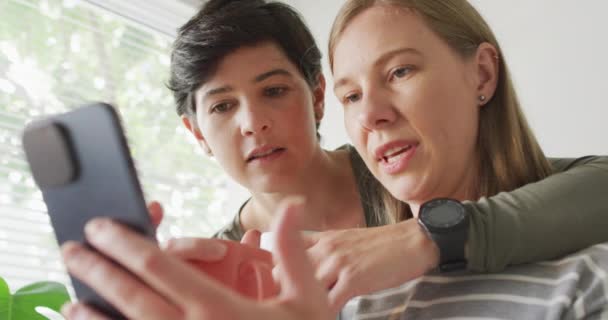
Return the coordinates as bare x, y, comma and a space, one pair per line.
221, 27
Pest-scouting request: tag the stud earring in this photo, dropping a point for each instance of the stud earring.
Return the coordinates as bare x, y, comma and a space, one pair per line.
482, 99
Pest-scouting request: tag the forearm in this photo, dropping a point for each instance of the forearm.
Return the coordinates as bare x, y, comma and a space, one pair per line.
547, 219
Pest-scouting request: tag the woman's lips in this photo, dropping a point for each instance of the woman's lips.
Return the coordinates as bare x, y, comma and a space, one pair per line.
397, 160
266, 156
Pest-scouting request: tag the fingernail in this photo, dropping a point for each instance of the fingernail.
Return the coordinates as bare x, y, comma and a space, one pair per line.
70, 252
96, 229
94, 226
72, 312
217, 250
67, 309
296, 200
275, 274
169, 244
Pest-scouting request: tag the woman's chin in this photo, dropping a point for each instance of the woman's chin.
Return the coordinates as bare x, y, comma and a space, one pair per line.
408, 189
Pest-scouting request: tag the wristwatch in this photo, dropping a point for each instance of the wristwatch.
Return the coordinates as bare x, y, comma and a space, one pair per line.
446, 221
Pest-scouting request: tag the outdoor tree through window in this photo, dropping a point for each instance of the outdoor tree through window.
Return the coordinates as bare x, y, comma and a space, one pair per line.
55, 55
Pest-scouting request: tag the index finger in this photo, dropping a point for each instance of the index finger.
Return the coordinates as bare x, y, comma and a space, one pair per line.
173, 278
297, 280
252, 238
207, 250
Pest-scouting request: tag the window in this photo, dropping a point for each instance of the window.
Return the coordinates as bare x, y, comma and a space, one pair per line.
55, 55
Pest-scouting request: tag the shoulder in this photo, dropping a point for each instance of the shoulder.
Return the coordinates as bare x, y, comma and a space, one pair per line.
233, 230
564, 164
228, 232
357, 163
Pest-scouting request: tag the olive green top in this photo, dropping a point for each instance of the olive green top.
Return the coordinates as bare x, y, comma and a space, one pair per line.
563, 213
367, 186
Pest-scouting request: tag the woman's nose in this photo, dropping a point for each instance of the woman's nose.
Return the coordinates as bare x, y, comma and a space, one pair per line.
377, 111
254, 121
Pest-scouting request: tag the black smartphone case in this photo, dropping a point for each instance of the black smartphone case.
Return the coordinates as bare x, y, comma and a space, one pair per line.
81, 162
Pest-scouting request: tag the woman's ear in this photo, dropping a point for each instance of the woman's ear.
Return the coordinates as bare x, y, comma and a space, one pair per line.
488, 71
319, 99
190, 124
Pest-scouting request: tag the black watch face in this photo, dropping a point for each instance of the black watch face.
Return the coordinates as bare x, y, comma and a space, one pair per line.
442, 213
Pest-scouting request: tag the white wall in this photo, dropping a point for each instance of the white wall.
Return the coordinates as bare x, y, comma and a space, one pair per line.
558, 55
319, 15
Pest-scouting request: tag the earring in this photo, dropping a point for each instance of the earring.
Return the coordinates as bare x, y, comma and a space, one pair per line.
482, 99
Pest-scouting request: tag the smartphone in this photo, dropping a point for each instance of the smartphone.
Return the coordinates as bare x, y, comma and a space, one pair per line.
81, 162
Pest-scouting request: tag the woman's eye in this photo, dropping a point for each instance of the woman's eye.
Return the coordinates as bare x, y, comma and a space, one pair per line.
274, 91
401, 72
221, 107
354, 97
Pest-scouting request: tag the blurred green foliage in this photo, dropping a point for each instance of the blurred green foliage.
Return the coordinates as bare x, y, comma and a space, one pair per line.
56, 55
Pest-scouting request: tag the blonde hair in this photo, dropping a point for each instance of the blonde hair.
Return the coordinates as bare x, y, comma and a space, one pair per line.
508, 154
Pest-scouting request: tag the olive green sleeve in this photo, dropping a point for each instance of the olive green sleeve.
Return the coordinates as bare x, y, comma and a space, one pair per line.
565, 212
228, 232
233, 230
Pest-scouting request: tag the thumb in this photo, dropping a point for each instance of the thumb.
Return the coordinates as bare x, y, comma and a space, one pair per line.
155, 211
252, 238
297, 278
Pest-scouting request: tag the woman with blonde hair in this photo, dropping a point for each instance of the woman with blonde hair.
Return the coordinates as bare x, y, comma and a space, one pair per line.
431, 110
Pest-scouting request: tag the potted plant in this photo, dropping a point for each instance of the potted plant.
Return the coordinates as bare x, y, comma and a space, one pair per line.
22, 304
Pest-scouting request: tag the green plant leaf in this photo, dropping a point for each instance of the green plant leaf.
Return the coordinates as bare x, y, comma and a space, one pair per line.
5, 300
40, 294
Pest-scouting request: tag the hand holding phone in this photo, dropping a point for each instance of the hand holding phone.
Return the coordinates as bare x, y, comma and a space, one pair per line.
81, 162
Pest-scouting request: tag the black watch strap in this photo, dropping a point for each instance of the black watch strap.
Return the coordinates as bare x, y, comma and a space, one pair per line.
451, 250
446, 221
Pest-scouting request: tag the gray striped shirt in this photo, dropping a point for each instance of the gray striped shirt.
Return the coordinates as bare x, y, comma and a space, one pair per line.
574, 287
